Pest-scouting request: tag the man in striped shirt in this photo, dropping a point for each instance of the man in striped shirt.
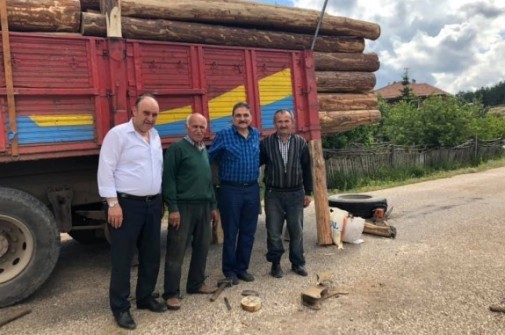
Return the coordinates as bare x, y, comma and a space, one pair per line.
236, 150
288, 185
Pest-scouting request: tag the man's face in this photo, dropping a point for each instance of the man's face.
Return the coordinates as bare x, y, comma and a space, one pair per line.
145, 114
284, 123
196, 126
242, 118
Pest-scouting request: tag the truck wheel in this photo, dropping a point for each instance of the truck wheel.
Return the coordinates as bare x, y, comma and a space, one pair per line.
361, 205
29, 245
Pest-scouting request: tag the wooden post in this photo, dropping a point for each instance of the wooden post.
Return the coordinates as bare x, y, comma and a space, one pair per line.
320, 193
9, 84
112, 11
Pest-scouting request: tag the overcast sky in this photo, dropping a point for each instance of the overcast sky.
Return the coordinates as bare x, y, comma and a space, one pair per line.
455, 45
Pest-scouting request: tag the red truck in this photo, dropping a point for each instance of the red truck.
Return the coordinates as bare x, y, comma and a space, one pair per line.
62, 94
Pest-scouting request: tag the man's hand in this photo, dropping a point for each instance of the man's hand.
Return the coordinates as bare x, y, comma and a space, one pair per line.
215, 215
115, 216
306, 201
174, 220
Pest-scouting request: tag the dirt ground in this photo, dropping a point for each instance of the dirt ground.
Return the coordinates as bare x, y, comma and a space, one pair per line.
438, 276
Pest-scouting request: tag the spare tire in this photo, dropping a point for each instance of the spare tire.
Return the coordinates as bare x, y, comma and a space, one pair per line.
362, 205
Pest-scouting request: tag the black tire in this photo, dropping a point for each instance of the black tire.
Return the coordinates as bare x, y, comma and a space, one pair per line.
361, 205
29, 245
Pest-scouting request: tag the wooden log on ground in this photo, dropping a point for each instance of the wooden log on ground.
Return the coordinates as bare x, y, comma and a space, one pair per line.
175, 31
44, 15
326, 61
345, 82
249, 14
320, 193
338, 122
379, 230
346, 101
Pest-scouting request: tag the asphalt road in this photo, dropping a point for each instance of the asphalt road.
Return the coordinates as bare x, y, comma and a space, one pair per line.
438, 276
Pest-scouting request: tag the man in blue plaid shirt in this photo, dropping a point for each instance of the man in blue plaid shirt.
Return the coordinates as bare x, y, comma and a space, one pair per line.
236, 150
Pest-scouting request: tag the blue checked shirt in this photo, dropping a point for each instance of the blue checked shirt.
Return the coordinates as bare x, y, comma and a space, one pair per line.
238, 157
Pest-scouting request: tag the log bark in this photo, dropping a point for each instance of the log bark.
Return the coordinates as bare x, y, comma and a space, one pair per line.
90, 5
320, 193
112, 11
345, 82
379, 230
175, 31
44, 15
346, 101
338, 122
248, 14
325, 61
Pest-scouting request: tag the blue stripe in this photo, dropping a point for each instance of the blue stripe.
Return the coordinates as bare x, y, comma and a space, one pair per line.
220, 123
31, 133
171, 129
268, 111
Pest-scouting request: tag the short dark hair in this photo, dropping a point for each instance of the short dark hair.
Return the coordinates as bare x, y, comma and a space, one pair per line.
238, 105
142, 97
284, 111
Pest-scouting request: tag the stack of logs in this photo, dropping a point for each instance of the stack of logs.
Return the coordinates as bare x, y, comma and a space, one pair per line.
345, 77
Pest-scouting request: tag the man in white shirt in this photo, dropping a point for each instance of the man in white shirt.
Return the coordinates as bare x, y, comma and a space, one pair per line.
129, 178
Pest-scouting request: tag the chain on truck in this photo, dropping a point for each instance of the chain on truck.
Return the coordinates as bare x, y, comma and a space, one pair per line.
59, 95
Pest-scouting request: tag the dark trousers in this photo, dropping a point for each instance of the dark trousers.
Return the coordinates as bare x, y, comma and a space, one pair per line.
238, 207
280, 207
195, 226
140, 229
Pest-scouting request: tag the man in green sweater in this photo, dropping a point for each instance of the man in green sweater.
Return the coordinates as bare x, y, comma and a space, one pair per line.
189, 194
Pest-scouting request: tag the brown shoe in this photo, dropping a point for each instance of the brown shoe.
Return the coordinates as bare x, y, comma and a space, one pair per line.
173, 303
204, 289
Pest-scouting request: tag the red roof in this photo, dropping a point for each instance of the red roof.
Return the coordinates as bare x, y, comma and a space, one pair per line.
421, 90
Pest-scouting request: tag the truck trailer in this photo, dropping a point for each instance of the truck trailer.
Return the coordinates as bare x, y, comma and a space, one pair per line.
60, 94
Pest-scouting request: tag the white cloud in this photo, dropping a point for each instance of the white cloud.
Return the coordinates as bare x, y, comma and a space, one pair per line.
453, 44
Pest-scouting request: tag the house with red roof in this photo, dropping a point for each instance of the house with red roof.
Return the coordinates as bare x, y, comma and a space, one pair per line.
393, 92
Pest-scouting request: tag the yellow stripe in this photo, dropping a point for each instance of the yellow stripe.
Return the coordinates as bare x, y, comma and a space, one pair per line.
174, 115
62, 120
221, 106
275, 87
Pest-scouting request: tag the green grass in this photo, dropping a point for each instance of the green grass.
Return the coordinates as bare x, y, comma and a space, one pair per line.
388, 179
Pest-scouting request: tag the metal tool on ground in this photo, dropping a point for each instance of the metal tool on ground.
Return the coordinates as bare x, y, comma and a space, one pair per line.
222, 284
251, 303
9, 317
227, 303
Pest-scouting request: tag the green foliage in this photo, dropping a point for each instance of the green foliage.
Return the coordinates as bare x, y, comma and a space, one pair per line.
488, 96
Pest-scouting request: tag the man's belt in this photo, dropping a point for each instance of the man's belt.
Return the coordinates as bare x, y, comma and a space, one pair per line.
238, 184
137, 197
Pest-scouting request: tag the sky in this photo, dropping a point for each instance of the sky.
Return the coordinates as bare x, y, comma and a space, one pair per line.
455, 45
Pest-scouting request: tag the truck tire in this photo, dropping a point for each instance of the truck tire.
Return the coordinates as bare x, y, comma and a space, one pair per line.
361, 205
29, 245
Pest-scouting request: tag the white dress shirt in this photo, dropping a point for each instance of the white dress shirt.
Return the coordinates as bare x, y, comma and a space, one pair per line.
129, 164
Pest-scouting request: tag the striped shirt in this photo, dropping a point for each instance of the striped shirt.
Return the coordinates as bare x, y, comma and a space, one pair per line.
237, 157
296, 174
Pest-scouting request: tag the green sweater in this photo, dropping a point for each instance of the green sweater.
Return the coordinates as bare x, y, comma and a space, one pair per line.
186, 176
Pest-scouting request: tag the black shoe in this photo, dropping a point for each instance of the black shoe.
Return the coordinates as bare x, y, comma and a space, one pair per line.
152, 305
299, 270
245, 276
125, 320
276, 270
233, 279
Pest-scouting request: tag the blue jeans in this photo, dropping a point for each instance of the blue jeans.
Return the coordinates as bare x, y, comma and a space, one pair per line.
239, 207
280, 207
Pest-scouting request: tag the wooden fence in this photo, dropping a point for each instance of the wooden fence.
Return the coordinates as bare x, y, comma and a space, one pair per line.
365, 161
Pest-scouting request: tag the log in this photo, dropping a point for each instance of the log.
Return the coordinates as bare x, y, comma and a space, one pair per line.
345, 82
90, 5
379, 230
320, 193
175, 31
112, 11
325, 61
346, 101
44, 15
248, 14
338, 122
